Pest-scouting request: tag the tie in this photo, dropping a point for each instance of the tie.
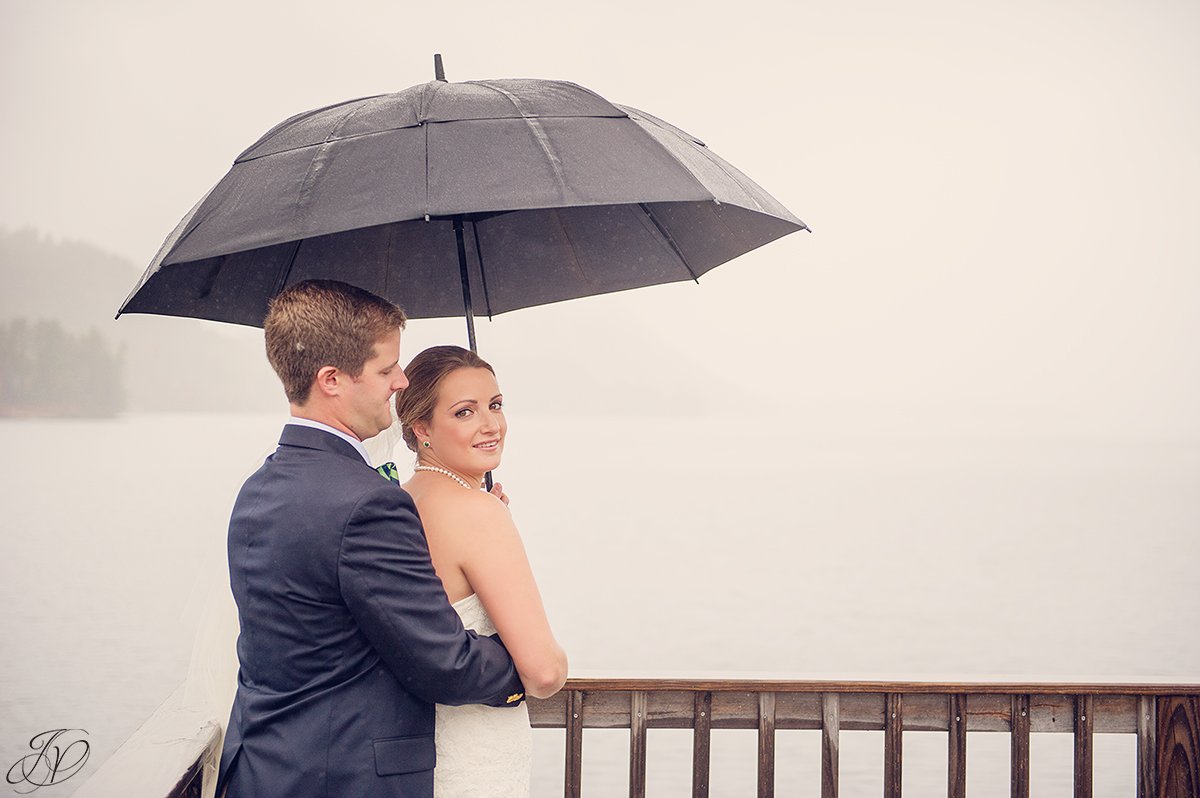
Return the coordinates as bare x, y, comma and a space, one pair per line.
389, 472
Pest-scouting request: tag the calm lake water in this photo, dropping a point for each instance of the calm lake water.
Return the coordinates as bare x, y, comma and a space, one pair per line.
660, 547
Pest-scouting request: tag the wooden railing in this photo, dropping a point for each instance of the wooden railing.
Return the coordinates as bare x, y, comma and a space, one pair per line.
1165, 718
177, 749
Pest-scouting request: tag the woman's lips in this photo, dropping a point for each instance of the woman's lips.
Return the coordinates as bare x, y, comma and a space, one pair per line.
487, 446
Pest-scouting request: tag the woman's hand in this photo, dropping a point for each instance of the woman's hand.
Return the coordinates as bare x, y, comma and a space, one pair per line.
498, 491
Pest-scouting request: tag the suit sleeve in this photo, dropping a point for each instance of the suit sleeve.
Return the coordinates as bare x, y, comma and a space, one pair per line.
389, 584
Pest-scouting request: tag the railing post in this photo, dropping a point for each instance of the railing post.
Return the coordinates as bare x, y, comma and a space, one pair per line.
893, 745
956, 757
1019, 747
1084, 724
574, 764
766, 745
830, 726
701, 737
1178, 755
1147, 772
637, 744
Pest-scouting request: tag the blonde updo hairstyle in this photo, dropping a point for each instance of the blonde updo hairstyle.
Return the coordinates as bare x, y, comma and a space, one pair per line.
416, 403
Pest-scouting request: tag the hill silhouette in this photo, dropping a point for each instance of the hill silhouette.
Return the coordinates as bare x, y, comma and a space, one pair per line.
167, 364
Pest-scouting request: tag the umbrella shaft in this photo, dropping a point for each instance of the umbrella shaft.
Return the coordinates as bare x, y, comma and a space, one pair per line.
466, 289
466, 280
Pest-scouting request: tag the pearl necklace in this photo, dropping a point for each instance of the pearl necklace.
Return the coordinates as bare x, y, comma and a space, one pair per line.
450, 474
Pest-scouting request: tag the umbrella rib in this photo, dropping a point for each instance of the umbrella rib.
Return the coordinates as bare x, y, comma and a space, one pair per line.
429, 93
741, 180
327, 140
539, 134
293, 120
669, 239
387, 262
487, 300
736, 177
578, 267
316, 167
637, 116
287, 270
336, 124
172, 240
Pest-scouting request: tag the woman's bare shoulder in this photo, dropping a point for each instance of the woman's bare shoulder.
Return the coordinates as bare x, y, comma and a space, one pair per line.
454, 508
482, 507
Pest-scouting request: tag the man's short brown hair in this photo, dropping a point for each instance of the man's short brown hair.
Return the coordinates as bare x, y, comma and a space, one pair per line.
318, 323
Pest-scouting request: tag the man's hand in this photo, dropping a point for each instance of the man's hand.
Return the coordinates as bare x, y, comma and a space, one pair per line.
498, 491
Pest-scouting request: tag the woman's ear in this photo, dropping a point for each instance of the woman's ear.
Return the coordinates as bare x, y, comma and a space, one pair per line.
421, 430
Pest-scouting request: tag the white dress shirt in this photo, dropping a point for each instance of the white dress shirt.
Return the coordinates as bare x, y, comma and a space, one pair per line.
350, 439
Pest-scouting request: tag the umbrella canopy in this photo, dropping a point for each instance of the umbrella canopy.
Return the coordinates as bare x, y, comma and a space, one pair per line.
502, 194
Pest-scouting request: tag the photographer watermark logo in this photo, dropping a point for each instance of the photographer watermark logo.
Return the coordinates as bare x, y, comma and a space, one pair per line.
57, 755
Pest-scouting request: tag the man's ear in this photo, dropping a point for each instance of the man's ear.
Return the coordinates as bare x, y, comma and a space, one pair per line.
327, 380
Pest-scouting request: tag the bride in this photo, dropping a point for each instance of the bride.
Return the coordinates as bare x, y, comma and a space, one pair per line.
452, 416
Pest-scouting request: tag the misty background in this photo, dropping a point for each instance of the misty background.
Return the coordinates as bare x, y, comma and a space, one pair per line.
951, 432
1002, 196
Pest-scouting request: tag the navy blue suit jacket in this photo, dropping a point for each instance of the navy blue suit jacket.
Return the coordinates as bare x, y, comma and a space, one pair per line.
347, 638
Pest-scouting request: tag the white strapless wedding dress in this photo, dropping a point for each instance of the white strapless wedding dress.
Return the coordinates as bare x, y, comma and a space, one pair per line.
482, 752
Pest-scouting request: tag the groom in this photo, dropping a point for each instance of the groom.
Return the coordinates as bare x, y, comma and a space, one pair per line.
347, 638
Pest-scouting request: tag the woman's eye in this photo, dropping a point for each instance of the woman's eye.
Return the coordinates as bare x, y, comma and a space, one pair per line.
497, 405
466, 411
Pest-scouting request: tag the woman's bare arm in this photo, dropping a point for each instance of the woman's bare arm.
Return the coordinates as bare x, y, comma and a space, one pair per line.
493, 558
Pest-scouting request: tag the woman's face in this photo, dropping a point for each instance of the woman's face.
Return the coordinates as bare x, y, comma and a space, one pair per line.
466, 433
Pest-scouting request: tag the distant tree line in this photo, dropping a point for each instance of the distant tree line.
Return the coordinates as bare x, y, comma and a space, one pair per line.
47, 371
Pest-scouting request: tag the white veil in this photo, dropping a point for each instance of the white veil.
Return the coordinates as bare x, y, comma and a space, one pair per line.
212, 672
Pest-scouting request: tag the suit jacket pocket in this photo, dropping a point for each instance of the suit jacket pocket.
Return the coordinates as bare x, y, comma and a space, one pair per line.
395, 755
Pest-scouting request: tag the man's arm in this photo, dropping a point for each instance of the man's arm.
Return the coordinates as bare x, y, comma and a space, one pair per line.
393, 592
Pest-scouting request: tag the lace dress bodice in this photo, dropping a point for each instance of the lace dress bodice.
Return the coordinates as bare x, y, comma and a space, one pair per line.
482, 752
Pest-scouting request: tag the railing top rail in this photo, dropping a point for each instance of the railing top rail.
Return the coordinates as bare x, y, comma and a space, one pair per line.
761, 685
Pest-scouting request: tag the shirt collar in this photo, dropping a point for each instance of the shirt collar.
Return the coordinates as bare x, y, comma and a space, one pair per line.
350, 439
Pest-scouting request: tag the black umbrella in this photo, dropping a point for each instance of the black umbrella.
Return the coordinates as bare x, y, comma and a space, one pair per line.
483, 196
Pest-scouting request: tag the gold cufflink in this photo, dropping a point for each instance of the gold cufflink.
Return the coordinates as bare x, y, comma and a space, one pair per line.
515, 697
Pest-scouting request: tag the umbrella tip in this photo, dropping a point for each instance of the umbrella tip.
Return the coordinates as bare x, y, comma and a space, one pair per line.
439, 73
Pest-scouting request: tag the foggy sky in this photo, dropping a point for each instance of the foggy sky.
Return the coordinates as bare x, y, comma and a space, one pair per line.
1003, 196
